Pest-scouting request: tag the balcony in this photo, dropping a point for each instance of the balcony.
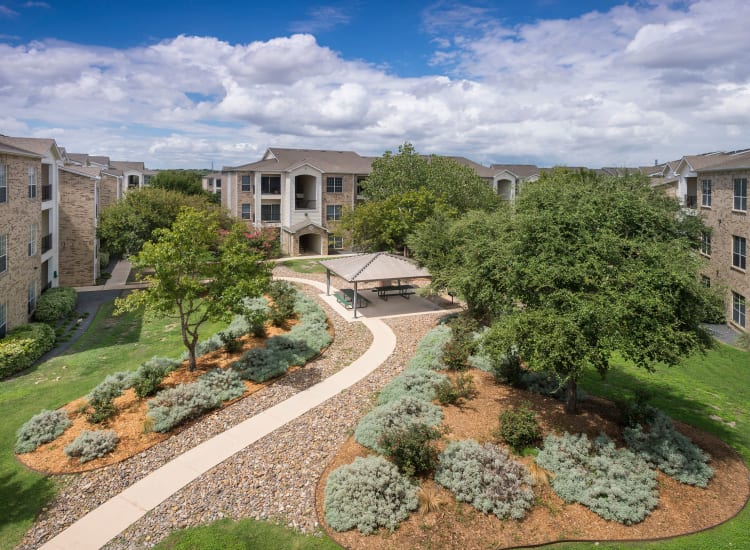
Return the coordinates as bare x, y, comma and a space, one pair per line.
46, 243
303, 204
691, 201
46, 192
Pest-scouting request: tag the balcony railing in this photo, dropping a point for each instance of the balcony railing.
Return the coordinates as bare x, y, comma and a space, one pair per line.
46, 192
691, 201
302, 204
46, 243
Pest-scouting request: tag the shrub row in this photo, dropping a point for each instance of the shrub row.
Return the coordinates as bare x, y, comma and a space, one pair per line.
616, 484
55, 303
429, 352
418, 383
23, 345
485, 477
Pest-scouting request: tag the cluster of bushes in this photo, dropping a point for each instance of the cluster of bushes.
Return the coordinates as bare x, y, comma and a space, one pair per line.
39, 429
453, 393
458, 350
91, 445
397, 415
23, 345
519, 428
485, 477
54, 304
616, 484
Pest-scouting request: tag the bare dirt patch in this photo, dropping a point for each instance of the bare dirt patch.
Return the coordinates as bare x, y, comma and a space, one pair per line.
682, 509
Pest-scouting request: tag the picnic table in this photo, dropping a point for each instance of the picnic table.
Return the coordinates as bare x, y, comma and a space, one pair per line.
394, 290
346, 298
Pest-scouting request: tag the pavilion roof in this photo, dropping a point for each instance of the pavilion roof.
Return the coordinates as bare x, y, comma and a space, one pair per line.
374, 267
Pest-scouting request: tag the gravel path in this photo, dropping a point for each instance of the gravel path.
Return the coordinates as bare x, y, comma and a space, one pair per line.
273, 478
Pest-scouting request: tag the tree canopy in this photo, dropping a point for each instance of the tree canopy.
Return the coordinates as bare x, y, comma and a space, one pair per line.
582, 266
125, 225
184, 181
406, 189
199, 273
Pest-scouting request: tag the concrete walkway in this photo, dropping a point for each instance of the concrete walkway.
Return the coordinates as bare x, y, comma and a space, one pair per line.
108, 520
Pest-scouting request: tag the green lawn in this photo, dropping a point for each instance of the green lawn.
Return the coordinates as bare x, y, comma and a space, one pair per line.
718, 384
244, 534
304, 266
111, 344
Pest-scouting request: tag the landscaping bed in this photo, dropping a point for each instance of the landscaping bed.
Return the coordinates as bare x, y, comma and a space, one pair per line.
681, 509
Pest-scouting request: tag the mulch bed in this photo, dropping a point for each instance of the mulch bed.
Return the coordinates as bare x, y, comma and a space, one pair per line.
682, 509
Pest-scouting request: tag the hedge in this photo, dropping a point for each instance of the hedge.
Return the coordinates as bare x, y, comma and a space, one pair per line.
23, 345
55, 304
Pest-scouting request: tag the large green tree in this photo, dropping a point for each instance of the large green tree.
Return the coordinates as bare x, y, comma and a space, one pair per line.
184, 181
125, 225
582, 266
406, 189
198, 272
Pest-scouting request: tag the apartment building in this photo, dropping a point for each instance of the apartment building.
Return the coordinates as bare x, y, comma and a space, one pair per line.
301, 192
29, 237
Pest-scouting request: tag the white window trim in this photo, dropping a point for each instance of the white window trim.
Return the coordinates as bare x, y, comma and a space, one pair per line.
739, 252
739, 309
4, 183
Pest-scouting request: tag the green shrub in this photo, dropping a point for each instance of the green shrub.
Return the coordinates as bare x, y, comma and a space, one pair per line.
232, 343
614, 483
368, 494
150, 375
672, 452
91, 445
485, 477
416, 383
507, 369
103, 259
255, 312
39, 429
105, 392
283, 295
399, 414
518, 428
411, 449
175, 405
637, 410
224, 384
54, 304
451, 393
429, 351
23, 345
456, 352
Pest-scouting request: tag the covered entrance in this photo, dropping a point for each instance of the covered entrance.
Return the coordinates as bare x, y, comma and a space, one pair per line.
305, 237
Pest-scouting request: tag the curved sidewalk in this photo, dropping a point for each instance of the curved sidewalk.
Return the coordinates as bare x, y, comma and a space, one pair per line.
108, 520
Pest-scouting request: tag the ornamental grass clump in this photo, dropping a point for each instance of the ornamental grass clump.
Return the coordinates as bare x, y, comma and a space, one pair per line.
616, 484
368, 494
429, 352
400, 414
90, 445
485, 477
41, 428
672, 452
415, 383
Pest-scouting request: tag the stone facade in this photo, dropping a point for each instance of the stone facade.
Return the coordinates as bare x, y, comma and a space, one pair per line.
79, 264
725, 222
17, 214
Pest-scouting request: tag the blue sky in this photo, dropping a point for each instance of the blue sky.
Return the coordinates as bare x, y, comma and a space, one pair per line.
190, 83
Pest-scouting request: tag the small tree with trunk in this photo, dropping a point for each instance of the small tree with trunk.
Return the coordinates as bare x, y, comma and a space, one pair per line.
198, 273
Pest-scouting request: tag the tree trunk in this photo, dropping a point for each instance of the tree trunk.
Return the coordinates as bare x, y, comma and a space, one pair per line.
191, 358
571, 397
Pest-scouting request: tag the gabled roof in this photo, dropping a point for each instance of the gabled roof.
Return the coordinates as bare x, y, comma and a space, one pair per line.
100, 160
481, 170
40, 146
126, 166
10, 149
278, 159
730, 161
93, 172
302, 225
374, 267
82, 159
522, 171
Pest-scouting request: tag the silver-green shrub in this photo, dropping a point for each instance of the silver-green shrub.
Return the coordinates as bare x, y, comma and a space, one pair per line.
400, 414
39, 429
485, 477
225, 384
419, 383
614, 483
175, 405
149, 376
111, 387
368, 494
672, 452
430, 349
90, 445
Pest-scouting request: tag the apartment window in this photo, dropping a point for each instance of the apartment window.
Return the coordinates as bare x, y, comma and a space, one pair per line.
706, 193
247, 214
706, 281
33, 231
246, 184
270, 185
3, 253
32, 297
3, 183
32, 182
706, 244
336, 243
738, 309
740, 194
739, 252
3, 320
270, 212
334, 185
360, 181
333, 212
217, 183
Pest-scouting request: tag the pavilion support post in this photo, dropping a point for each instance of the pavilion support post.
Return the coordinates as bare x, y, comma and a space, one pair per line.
328, 282
354, 300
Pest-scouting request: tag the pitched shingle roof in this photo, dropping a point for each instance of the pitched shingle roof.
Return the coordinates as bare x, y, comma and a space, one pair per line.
374, 267
10, 149
520, 170
125, 165
40, 146
280, 160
